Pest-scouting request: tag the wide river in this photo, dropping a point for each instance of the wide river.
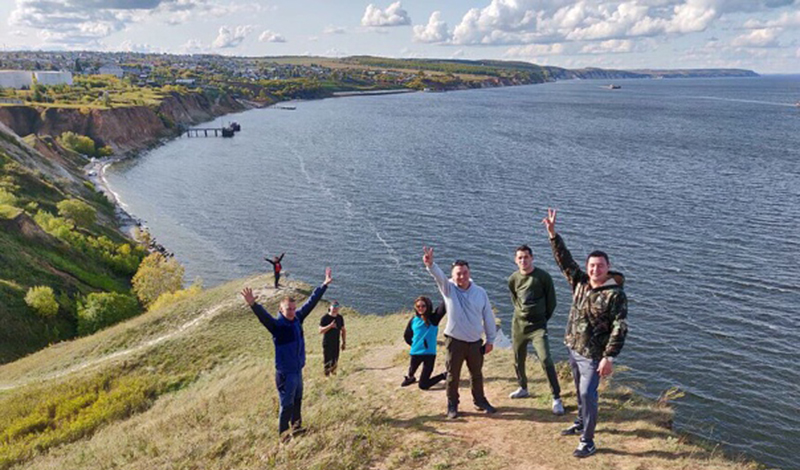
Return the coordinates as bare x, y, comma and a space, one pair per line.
692, 186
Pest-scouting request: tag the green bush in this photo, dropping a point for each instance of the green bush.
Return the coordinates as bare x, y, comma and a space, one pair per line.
78, 143
157, 275
7, 198
100, 310
77, 211
42, 300
8, 212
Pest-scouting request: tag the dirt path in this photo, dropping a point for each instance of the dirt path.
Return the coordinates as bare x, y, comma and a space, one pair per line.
203, 318
524, 434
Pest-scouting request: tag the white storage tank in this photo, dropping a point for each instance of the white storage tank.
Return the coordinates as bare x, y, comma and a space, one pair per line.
16, 79
53, 78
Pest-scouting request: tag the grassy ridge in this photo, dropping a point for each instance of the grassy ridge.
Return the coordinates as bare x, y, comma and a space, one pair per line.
191, 385
29, 256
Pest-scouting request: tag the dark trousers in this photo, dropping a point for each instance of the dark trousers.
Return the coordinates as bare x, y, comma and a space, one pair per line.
330, 357
277, 278
290, 393
427, 361
457, 352
587, 379
521, 335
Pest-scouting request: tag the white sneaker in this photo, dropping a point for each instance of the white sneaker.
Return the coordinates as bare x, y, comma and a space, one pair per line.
520, 393
558, 407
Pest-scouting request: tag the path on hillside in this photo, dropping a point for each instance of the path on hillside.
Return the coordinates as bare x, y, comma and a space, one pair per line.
524, 434
203, 317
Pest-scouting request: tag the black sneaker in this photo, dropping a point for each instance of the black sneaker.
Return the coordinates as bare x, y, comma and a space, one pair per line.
452, 411
585, 449
485, 407
408, 381
573, 430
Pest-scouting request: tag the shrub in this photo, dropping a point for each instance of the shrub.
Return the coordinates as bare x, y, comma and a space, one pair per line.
7, 198
169, 298
77, 211
157, 275
78, 143
8, 212
100, 310
42, 300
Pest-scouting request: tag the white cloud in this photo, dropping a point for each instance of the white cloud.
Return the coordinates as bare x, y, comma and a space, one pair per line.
334, 30
228, 38
434, 32
334, 52
194, 46
612, 46
786, 20
129, 46
394, 15
766, 37
519, 22
269, 36
533, 50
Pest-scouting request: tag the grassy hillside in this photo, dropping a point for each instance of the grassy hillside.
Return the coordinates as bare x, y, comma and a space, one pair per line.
191, 385
72, 260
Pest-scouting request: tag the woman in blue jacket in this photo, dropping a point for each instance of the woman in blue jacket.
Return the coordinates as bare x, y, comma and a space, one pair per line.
421, 335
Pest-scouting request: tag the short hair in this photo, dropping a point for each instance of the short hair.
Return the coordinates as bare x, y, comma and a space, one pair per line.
459, 262
287, 298
598, 254
524, 248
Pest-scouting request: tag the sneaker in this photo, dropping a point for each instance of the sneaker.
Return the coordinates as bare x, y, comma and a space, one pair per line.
573, 430
408, 381
486, 407
558, 407
452, 411
585, 449
519, 393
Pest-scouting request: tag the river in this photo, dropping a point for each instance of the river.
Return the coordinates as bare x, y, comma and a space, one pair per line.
692, 186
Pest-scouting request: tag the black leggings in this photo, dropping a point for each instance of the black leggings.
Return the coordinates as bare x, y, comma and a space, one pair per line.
427, 361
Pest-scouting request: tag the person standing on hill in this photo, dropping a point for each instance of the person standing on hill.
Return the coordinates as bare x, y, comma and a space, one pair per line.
469, 316
331, 327
420, 334
290, 352
276, 267
596, 329
534, 300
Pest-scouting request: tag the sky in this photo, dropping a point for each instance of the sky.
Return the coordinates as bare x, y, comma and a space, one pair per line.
761, 35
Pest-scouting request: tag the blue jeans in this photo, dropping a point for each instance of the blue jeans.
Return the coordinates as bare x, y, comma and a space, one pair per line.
290, 392
587, 379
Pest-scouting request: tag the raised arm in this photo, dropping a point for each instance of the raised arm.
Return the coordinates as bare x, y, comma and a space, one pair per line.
269, 261
563, 257
438, 314
436, 271
280, 258
316, 296
263, 316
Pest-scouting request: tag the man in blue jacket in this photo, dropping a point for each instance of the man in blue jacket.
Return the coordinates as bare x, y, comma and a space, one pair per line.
290, 350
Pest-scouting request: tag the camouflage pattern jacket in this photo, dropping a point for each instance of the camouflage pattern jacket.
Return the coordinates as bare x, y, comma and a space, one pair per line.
596, 327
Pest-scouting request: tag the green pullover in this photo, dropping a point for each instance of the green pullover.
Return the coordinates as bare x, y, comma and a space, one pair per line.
533, 297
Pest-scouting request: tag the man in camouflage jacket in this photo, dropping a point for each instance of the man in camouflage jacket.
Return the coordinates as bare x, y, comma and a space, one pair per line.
596, 329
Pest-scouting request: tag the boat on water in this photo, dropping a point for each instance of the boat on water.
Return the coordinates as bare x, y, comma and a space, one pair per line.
614, 87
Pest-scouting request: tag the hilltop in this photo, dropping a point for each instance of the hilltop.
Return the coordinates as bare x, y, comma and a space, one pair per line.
191, 385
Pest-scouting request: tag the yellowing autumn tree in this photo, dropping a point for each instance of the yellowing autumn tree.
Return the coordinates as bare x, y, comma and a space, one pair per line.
157, 275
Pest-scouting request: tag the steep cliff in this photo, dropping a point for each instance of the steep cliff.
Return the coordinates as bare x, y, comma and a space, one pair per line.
125, 129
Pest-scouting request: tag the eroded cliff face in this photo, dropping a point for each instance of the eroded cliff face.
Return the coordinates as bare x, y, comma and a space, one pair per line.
125, 129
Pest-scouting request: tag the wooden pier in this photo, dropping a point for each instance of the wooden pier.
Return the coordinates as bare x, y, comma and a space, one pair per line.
209, 132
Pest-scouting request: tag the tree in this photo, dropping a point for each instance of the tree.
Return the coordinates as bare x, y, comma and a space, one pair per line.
157, 275
77, 143
77, 211
42, 300
102, 309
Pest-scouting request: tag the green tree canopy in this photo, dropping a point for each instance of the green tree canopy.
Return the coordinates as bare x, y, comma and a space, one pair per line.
42, 300
157, 275
77, 211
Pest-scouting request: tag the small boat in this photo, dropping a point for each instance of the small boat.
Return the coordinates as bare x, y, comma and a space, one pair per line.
287, 108
614, 87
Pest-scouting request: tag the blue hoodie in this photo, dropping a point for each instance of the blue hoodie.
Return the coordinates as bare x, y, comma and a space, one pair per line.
290, 344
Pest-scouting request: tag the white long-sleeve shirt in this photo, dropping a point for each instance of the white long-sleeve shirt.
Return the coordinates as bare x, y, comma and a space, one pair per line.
469, 313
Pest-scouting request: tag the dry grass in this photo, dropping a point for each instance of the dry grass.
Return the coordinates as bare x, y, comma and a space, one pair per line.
213, 405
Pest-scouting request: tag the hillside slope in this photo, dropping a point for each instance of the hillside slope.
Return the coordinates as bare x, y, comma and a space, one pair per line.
192, 386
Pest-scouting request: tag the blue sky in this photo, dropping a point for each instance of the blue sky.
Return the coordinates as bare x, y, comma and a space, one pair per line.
763, 35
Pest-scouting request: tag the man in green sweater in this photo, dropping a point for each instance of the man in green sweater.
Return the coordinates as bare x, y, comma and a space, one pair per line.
534, 300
